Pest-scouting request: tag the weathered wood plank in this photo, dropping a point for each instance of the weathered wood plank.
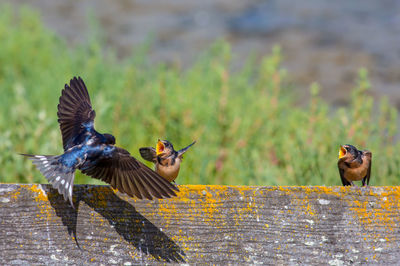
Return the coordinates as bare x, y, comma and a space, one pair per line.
204, 224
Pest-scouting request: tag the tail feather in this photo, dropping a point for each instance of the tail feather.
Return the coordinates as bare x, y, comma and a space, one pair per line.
60, 176
182, 151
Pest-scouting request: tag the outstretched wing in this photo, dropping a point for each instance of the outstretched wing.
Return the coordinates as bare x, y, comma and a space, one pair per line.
182, 151
345, 182
128, 175
149, 154
74, 111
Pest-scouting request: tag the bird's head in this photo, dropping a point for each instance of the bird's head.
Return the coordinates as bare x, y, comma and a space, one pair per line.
347, 151
110, 139
164, 148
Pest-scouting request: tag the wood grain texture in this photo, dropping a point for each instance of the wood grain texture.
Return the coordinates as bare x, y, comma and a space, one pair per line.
204, 224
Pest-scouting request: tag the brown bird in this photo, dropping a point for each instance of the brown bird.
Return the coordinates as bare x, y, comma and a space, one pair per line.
167, 161
354, 165
95, 154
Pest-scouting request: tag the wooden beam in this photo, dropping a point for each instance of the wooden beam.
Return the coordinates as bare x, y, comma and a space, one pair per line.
204, 224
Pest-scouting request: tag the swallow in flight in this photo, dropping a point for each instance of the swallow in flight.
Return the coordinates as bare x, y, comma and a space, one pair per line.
95, 154
354, 165
167, 161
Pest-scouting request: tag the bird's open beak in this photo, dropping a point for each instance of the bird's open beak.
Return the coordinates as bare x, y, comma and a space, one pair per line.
160, 148
342, 152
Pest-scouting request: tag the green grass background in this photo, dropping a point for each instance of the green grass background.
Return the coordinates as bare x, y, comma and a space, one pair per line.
248, 128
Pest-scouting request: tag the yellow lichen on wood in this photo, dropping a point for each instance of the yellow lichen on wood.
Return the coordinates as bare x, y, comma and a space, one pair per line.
250, 224
205, 201
40, 195
42, 202
382, 211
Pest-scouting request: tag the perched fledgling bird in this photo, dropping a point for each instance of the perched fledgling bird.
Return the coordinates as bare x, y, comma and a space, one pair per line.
167, 161
354, 165
94, 153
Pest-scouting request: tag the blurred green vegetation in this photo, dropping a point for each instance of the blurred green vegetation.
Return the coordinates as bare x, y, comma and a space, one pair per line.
248, 128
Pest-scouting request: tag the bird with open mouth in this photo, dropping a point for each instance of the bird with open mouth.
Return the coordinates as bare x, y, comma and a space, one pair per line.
95, 154
167, 161
354, 165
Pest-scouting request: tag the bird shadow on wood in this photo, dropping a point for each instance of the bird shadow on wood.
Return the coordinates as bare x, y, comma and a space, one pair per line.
68, 215
122, 216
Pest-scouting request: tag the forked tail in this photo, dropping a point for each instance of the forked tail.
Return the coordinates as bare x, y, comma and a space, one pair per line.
60, 176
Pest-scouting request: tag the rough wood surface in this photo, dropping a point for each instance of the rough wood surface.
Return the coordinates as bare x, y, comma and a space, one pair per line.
204, 224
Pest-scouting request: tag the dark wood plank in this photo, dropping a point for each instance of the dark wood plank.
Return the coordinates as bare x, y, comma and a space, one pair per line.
204, 224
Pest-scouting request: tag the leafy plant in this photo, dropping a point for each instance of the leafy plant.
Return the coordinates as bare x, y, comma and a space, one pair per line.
248, 128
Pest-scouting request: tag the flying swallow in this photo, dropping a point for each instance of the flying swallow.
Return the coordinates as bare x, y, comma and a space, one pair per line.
354, 165
95, 154
167, 161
